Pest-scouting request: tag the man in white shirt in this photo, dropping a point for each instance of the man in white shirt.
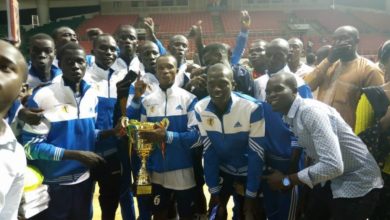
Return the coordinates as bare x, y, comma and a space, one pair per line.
12, 158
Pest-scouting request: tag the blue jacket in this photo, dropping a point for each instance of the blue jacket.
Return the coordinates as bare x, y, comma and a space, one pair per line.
104, 83
34, 80
233, 142
68, 124
177, 105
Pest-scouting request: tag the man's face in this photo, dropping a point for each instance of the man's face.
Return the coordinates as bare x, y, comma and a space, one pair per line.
276, 58
105, 52
12, 70
178, 47
219, 86
127, 40
279, 95
295, 49
65, 35
344, 42
257, 55
149, 57
42, 53
166, 71
73, 65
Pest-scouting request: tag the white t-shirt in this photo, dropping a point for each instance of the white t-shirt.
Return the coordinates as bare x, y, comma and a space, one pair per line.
12, 168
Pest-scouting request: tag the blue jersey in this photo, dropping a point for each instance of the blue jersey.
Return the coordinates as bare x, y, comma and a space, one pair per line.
68, 124
177, 105
233, 142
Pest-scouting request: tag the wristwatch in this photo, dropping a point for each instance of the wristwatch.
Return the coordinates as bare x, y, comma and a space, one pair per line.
286, 181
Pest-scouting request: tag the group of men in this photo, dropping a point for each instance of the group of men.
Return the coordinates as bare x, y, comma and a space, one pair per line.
261, 137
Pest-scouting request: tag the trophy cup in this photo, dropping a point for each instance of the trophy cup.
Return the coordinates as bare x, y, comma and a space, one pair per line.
143, 185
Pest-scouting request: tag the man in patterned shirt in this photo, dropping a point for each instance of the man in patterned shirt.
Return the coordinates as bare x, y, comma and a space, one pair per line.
342, 163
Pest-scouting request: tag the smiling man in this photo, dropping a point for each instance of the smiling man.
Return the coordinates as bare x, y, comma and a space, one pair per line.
171, 168
103, 79
232, 129
344, 175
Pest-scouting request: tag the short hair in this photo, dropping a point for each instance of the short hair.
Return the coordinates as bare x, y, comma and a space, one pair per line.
310, 58
166, 56
123, 26
385, 52
40, 36
145, 44
289, 79
99, 37
92, 32
66, 47
224, 66
176, 36
223, 48
298, 41
55, 32
351, 29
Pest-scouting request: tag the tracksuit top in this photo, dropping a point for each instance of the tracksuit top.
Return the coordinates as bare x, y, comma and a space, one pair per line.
68, 124
33, 79
177, 105
233, 142
104, 83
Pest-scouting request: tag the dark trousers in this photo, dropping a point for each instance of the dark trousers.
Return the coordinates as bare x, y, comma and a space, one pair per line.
108, 176
322, 206
70, 202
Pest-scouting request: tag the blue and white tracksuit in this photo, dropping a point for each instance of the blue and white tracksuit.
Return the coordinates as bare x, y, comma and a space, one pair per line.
234, 142
34, 80
104, 83
68, 124
261, 84
177, 105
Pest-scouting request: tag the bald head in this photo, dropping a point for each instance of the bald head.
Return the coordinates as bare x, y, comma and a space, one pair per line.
220, 69
286, 78
295, 41
277, 54
349, 29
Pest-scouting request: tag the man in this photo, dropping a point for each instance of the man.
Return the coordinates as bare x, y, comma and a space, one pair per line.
12, 158
41, 72
171, 167
146, 84
178, 47
277, 55
257, 58
232, 129
341, 77
340, 157
62, 36
103, 79
42, 53
62, 145
127, 39
294, 62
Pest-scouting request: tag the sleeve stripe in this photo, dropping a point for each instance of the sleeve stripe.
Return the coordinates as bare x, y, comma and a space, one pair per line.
257, 148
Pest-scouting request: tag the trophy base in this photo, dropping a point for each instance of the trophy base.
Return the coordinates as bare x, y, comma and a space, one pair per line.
143, 190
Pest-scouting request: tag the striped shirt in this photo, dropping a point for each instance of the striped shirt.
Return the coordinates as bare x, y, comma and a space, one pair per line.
340, 156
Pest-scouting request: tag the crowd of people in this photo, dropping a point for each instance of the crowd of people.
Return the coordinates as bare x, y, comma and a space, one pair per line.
284, 139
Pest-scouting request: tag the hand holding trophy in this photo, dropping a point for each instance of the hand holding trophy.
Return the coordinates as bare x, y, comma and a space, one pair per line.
143, 148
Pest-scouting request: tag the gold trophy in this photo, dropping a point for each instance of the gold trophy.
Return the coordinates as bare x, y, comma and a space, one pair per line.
143, 185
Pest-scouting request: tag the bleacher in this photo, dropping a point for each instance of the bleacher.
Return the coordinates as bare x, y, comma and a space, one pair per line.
108, 23
181, 23
331, 19
377, 20
265, 21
